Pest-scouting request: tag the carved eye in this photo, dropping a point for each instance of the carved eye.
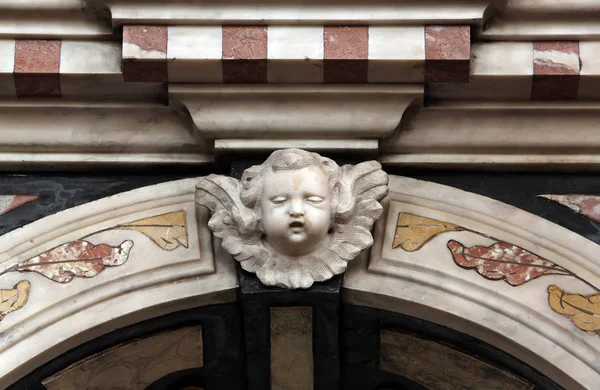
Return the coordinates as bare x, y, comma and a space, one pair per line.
279, 200
314, 199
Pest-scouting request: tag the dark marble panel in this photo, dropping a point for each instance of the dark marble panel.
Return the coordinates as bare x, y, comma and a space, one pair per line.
257, 300
360, 337
60, 192
222, 340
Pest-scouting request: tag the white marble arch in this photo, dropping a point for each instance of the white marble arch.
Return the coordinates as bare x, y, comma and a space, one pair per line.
428, 284
425, 284
152, 282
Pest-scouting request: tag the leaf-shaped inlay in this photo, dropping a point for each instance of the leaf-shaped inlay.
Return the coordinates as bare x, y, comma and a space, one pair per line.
76, 258
168, 231
504, 261
414, 231
584, 312
14, 299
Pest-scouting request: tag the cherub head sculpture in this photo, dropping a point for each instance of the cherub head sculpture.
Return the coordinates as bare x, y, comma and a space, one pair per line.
297, 218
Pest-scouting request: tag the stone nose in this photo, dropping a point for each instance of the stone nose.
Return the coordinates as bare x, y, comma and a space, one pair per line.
296, 208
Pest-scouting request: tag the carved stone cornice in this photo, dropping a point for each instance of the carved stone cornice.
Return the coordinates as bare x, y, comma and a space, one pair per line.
526, 20
236, 12
297, 112
534, 135
74, 135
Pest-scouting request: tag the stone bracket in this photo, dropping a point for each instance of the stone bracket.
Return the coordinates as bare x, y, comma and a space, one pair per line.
313, 113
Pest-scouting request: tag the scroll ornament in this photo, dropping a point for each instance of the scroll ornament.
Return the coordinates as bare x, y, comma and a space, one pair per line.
298, 217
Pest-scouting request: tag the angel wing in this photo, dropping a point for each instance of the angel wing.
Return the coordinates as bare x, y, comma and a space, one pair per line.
361, 188
230, 218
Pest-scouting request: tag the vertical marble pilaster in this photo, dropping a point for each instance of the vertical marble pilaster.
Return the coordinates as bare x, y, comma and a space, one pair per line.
264, 310
145, 53
244, 54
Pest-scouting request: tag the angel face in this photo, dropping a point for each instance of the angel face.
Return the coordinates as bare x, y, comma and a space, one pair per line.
296, 209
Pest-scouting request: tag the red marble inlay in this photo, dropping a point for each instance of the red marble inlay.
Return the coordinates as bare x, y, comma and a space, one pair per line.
346, 53
550, 64
149, 38
346, 42
245, 71
244, 54
447, 54
244, 42
37, 68
145, 71
447, 71
37, 56
448, 43
555, 87
37, 85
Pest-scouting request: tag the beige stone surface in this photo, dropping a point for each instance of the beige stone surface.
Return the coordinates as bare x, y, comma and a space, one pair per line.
301, 111
134, 365
291, 348
499, 134
95, 134
538, 20
368, 147
396, 54
7, 63
441, 367
194, 54
499, 71
295, 54
427, 283
272, 12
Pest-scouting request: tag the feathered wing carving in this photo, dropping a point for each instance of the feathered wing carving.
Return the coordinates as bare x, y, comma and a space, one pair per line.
362, 184
231, 221
356, 203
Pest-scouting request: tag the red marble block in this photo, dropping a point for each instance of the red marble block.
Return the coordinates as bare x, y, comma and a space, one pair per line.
447, 54
556, 68
244, 54
148, 63
346, 54
37, 68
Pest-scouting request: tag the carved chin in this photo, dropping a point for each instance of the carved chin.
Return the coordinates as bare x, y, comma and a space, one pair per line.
296, 243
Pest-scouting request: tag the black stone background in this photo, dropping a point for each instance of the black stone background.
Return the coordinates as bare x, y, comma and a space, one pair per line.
60, 192
221, 335
325, 300
360, 332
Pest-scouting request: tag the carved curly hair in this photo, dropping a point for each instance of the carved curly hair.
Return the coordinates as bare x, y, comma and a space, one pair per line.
282, 160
